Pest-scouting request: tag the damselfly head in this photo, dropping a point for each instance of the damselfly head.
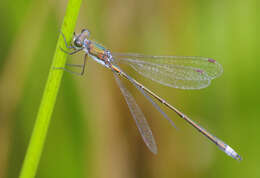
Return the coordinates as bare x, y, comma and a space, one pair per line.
78, 40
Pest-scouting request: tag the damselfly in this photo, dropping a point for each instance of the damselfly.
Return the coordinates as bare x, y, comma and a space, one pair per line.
174, 71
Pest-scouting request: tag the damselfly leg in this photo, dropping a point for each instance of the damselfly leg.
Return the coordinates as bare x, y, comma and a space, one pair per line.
82, 66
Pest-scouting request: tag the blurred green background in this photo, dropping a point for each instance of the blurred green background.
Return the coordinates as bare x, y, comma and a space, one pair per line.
92, 133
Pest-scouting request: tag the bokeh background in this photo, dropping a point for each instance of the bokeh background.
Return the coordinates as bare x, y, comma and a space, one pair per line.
92, 133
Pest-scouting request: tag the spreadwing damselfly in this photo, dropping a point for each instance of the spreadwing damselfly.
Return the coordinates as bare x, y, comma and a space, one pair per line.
173, 71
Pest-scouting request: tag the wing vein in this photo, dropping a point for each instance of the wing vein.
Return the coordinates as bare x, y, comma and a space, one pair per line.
138, 116
175, 71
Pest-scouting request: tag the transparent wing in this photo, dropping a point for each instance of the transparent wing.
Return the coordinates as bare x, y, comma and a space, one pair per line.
148, 98
138, 116
175, 71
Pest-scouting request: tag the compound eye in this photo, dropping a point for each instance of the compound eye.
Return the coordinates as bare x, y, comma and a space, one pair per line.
77, 43
85, 32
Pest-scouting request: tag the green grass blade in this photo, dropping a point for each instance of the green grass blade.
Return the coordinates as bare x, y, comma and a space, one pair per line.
52, 86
